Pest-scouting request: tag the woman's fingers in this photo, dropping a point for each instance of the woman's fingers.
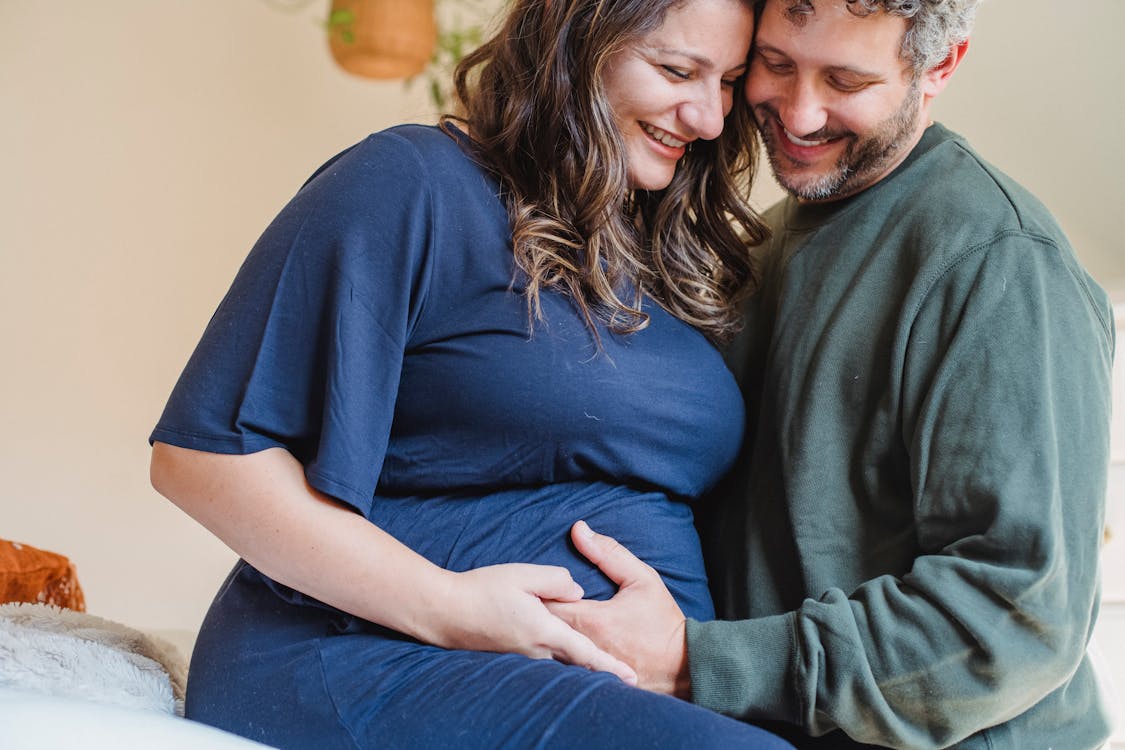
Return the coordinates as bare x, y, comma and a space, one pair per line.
575, 648
502, 609
563, 642
549, 582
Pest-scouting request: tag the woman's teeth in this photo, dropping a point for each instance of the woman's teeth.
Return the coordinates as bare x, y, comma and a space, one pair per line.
660, 135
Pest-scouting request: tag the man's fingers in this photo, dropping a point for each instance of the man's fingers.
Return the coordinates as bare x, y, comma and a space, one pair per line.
621, 565
579, 650
568, 612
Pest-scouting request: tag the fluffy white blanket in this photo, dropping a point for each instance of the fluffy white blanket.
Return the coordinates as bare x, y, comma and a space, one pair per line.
63, 653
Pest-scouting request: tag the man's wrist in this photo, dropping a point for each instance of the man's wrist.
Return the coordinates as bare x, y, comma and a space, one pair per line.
681, 680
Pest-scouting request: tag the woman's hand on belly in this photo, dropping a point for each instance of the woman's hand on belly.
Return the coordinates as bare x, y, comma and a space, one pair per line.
501, 608
263, 507
642, 623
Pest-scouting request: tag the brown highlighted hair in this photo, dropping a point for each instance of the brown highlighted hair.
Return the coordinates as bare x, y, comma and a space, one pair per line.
533, 101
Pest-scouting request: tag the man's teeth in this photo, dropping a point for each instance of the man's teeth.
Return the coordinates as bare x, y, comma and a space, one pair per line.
663, 137
802, 142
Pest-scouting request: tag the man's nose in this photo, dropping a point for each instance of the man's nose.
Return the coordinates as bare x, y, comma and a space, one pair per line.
801, 108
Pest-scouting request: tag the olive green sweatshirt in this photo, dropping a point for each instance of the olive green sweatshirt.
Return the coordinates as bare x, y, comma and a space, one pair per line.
909, 555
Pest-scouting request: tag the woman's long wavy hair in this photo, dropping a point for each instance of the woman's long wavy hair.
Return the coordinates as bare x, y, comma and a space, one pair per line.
533, 101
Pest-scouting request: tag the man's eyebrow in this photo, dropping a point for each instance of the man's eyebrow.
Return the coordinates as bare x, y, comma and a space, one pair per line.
759, 47
833, 68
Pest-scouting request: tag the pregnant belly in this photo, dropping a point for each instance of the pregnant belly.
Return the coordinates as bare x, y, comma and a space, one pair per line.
532, 525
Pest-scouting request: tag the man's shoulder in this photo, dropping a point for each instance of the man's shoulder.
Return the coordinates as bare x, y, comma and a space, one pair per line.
951, 185
971, 220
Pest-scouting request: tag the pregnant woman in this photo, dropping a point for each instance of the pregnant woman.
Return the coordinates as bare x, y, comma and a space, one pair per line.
451, 344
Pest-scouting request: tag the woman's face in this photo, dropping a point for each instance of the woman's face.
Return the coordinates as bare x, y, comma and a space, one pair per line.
676, 84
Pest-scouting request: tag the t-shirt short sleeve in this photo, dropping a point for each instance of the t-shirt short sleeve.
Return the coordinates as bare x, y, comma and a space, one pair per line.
305, 351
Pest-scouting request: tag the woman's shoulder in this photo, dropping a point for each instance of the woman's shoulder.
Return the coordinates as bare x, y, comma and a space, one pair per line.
401, 146
429, 146
401, 159
424, 139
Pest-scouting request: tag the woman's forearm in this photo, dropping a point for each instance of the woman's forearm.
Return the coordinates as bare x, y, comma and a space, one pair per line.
263, 508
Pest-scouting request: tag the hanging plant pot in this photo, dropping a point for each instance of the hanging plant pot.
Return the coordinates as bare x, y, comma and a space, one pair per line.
382, 38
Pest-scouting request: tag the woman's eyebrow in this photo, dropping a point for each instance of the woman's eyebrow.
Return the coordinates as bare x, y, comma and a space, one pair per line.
695, 57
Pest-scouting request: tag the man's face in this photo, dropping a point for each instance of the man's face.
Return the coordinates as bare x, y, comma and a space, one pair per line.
837, 105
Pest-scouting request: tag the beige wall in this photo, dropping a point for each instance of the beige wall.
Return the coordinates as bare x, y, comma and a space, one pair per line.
146, 143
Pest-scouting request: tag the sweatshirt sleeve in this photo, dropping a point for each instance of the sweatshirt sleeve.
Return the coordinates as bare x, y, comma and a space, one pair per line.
1005, 402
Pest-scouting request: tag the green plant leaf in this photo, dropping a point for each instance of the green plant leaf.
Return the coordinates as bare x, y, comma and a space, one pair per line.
341, 18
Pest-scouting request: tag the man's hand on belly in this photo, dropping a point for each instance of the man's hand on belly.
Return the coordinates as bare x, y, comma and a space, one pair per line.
502, 608
642, 625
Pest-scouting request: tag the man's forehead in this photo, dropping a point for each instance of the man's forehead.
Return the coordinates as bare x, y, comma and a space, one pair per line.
798, 9
830, 29
800, 12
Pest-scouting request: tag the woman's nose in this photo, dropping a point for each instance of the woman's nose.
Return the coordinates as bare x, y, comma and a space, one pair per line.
705, 114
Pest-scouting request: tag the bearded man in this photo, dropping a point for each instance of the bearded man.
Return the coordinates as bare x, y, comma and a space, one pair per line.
907, 556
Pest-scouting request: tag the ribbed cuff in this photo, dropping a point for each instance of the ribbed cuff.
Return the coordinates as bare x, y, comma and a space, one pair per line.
745, 668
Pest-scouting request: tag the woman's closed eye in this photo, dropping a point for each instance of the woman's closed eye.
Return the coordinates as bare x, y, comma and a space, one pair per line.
678, 73
734, 78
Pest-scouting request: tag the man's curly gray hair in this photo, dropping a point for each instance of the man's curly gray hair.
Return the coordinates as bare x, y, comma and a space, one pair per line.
933, 26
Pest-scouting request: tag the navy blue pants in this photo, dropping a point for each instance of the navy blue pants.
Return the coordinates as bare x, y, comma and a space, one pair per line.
284, 670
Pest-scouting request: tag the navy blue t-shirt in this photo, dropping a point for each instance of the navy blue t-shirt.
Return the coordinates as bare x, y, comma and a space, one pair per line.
376, 333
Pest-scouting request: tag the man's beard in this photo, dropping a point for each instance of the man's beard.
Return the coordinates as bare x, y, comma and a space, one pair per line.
863, 161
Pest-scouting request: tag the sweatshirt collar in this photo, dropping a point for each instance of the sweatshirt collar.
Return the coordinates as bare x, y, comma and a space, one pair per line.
801, 216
